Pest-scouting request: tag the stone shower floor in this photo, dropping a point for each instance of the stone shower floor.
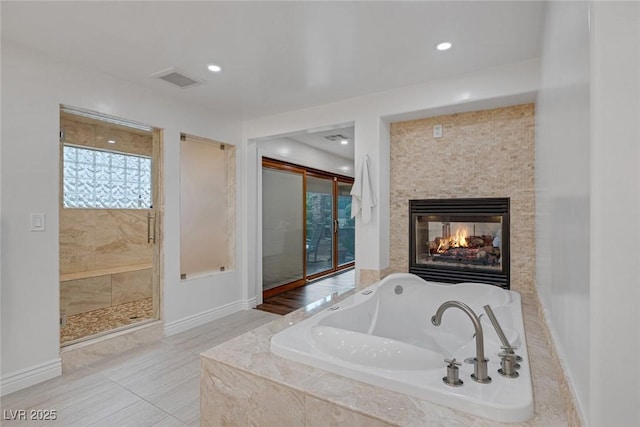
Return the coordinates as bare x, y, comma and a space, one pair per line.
105, 319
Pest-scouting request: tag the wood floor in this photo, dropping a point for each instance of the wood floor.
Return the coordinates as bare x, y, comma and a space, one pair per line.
305, 296
155, 385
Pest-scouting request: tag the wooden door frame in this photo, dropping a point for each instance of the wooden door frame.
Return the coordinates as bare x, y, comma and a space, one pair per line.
306, 172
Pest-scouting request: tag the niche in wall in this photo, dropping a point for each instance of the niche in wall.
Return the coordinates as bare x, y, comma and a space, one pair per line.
207, 206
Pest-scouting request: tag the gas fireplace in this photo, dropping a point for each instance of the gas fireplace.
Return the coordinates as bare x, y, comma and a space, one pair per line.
460, 240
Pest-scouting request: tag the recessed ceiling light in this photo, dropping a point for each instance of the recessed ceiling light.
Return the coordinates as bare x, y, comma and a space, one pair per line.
344, 142
214, 68
111, 141
444, 46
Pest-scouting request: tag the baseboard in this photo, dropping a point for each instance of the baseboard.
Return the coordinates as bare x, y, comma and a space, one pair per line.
186, 323
576, 411
249, 303
30, 376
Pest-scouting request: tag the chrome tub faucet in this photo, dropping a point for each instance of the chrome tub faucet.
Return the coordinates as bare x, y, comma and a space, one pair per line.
479, 363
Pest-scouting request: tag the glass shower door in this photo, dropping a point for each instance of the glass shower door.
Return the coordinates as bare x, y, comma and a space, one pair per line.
109, 259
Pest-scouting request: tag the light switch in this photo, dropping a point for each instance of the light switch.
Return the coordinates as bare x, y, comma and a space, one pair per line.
38, 222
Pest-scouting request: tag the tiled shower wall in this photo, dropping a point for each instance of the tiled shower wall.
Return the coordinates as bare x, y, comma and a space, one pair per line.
110, 246
95, 239
488, 153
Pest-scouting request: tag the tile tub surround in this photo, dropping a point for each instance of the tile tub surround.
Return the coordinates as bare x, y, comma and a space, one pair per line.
487, 153
243, 383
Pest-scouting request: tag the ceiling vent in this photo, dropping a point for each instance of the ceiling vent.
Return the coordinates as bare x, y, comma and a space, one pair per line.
337, 137
177, 78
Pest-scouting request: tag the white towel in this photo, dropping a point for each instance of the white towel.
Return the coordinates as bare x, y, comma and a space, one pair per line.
363, 199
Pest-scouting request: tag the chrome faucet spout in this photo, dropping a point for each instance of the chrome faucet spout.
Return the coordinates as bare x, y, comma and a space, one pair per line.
480, 363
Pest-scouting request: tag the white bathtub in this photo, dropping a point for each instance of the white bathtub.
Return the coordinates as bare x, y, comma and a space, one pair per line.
383, 336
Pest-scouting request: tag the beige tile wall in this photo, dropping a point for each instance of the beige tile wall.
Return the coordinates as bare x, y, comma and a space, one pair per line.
80, 131
367, 277
488, 153
82, 295
130, 286
106, 290
94, 239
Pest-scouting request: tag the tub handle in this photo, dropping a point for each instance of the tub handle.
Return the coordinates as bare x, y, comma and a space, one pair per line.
506, 346
452, 379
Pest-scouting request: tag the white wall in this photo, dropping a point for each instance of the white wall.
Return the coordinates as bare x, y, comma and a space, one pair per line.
563, 186
614, 399
588, 202
287, 150
506, 85
33, 86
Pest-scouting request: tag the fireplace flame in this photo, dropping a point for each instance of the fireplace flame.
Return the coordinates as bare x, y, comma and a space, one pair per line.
460, 241
457, 241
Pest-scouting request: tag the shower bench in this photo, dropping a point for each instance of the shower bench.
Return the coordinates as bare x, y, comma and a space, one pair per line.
94, 289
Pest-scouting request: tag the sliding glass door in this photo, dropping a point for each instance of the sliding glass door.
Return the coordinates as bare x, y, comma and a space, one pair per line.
346, 226
319, 225
282, 228
307, 230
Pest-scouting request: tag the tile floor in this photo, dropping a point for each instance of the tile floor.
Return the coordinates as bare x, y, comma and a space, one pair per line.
155, 385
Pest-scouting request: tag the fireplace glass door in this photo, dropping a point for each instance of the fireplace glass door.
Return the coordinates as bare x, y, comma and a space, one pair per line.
459, 241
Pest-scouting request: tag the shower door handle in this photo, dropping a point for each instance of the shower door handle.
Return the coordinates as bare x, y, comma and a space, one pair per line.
151, 231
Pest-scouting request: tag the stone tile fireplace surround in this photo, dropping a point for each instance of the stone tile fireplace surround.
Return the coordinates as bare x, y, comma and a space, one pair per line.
488, 153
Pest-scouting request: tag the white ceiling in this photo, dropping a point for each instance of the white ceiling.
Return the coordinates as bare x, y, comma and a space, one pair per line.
278, 56
326, 140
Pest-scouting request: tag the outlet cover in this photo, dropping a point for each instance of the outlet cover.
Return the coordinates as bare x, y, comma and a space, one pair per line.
437, 131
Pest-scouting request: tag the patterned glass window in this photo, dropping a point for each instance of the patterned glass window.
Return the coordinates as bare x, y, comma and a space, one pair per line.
104, 179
